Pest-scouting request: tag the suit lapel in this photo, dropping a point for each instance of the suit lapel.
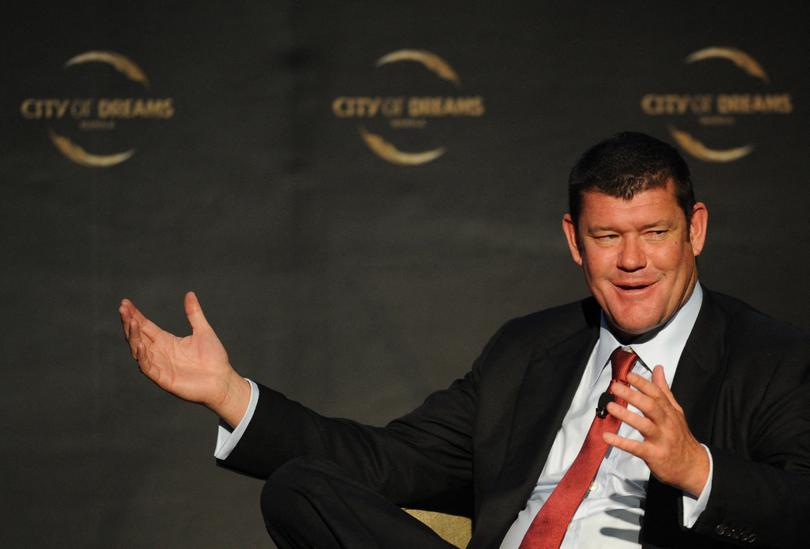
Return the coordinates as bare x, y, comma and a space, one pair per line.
549, 384
696, 384
701, 368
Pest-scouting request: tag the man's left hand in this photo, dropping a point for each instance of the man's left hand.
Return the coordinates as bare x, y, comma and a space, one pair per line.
670, 450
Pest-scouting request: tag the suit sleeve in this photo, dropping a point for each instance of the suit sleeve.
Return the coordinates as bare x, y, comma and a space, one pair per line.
422, 459
761, 493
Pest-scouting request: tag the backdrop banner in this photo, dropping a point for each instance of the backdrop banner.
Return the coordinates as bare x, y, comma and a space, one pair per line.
360, 193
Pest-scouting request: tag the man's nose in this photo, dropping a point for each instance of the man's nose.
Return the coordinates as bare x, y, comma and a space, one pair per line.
631, 256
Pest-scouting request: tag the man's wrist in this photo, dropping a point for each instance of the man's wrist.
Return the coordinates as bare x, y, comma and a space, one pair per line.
237, 397
700, 472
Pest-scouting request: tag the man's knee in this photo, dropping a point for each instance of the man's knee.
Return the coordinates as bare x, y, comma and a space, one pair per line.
293, 486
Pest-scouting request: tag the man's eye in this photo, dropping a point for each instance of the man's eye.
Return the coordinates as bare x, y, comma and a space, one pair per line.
605, 237
657, 233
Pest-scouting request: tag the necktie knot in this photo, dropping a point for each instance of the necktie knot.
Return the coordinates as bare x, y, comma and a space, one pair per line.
621, 362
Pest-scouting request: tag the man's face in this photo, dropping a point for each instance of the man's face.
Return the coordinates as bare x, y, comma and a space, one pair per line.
638, 255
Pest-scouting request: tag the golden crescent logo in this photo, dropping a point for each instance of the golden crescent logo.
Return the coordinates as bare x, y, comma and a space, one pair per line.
97, 113
408, 112
721, 109
738, 57
122, 64
431, 62
80, 156
699, 150
389, 152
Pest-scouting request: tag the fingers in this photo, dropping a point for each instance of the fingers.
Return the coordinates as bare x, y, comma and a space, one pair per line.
656, 389
668, 447
134, 338
652, 398
194, 313
647, 387
660, 381
125, 311
648, 405
139, 330
640, 423
129, 313
631, 446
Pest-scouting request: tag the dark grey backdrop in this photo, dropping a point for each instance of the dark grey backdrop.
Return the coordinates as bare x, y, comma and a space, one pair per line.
352, 284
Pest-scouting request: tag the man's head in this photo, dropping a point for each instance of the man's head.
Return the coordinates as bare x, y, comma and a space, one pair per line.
635, 229
626, 164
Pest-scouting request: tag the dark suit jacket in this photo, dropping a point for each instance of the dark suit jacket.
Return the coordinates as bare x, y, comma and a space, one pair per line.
478, 447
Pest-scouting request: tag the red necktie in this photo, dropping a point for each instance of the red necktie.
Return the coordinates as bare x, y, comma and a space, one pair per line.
551, 522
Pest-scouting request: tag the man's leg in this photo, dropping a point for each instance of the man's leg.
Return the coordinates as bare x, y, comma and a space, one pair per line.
311, 502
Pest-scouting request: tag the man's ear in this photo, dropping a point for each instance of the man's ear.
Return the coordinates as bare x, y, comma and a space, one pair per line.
570, 230
698, 226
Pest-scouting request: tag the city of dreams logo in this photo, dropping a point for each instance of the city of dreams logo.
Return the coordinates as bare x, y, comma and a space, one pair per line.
706, 111
70, 120
394, 114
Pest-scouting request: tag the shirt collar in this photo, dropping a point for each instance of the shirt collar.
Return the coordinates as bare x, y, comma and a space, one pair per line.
665, 347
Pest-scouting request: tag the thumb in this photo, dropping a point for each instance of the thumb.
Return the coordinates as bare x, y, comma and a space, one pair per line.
194, 313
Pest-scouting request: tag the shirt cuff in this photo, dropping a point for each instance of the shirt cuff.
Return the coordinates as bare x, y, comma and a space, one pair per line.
692, 507
227, 439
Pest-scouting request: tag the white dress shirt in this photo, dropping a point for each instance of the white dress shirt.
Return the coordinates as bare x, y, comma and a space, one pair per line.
609, 516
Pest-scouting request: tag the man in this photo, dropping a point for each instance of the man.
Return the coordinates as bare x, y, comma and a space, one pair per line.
721, 458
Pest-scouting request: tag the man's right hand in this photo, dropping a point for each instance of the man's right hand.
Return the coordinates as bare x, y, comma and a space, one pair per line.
194, 368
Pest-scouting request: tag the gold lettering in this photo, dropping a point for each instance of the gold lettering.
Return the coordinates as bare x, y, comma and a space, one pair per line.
716, 120
96, 124
775, 103
657, 104
422, 106
651, 104
340, 106
677, 104
168, 107
408, 123
104, 108
392, 106
135, 108
44, 108
141, 109
724, 103
740, 103
437, 107
370, 106
61, 106
787, 104
415, 107
81, 108
31, 108
363, 107
477, 106
452, 106
701, 104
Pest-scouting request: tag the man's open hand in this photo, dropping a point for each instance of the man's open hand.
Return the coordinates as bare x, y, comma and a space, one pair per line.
194, 368
670, 450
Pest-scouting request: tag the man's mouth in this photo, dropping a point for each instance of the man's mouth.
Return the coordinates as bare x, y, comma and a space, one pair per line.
633, 287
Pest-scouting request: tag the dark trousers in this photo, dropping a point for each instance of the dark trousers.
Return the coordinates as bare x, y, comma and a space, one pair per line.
311, 502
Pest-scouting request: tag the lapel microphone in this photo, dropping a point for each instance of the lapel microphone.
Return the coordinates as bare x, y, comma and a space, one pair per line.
601, 406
